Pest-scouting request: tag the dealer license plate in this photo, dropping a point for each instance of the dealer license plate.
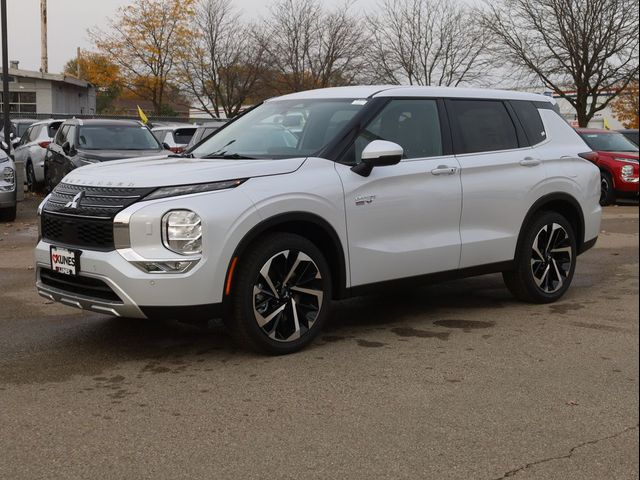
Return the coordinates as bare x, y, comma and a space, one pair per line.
65, 261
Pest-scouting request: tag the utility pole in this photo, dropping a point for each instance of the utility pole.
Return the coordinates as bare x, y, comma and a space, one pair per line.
5, 77
44, 56
78, 59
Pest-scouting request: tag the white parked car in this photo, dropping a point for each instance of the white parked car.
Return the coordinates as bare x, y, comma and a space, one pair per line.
174, 137
7, 188
32, 148
384, 186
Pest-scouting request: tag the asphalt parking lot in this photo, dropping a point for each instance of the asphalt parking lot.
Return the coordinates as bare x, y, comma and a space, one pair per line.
452, 381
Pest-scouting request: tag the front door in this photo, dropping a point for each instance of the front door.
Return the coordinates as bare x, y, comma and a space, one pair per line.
403, 220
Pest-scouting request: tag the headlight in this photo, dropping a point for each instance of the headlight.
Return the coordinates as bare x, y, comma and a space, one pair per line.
627, 173
196, 188
182, 232
8, 176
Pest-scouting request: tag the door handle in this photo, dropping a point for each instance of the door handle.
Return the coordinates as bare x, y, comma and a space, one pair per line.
444, 170
530, 162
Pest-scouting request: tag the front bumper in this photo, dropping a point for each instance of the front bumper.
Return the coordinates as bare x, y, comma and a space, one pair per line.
135, 294
8, 198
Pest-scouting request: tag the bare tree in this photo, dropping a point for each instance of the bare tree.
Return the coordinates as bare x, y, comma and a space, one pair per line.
582, 49
142, 40
426, 42
309, 47
223, 63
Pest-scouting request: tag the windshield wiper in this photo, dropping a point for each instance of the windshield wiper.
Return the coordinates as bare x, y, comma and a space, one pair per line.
229, 156
181, 155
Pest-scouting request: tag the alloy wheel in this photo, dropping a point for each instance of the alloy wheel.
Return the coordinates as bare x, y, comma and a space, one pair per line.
287, 295
551, 258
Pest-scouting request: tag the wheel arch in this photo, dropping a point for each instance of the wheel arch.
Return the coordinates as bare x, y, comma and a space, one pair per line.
564, 204
310, 226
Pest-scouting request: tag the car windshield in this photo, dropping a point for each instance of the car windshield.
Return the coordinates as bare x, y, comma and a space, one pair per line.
281, 129
609, 142
116, 137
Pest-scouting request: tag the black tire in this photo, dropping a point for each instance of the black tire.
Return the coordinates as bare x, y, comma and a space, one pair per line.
8, 214
48, 181
538, 253
32, 184
291, 263
607, 192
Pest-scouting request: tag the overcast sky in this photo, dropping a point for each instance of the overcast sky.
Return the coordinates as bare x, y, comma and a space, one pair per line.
68, 23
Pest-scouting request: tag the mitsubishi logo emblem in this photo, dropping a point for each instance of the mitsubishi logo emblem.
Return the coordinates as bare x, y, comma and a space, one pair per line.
75, 203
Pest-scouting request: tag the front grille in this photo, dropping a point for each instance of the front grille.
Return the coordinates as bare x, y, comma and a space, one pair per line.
86, 220
89, 233
96, 202
85, 286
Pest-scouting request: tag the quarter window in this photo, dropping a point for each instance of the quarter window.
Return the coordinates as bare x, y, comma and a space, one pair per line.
530, 119
412, 124
482, 126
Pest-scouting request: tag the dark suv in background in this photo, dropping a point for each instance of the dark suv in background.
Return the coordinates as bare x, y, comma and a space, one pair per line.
83, 142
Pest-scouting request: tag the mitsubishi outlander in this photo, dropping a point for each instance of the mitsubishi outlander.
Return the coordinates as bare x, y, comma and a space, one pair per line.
323, 195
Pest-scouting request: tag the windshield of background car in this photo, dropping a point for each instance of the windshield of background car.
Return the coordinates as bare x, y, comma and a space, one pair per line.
282, 129
609, 142
116, 137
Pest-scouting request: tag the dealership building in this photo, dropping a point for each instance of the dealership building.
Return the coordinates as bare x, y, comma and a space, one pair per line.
36, 93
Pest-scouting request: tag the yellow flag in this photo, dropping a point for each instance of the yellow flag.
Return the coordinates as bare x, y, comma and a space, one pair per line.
143, 117
606, 124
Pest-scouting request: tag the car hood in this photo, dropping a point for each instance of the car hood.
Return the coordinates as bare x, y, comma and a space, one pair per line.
107, 155
166, 171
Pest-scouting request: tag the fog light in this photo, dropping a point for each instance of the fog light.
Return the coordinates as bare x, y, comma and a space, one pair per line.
182, 232
166, 267
627, 173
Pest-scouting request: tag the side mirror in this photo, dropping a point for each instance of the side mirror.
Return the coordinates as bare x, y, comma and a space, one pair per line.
166, 146
378, 153
66, 147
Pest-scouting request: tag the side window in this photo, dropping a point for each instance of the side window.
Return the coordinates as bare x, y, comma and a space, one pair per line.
530, 119
481, 126
413, 124
34, 133
26, 137
159, 134
61, 137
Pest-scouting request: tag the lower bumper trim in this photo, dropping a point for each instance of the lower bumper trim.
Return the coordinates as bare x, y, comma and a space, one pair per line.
186, 312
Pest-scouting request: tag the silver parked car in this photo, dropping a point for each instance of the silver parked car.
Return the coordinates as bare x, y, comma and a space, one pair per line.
174, 137
32, 148
7, 188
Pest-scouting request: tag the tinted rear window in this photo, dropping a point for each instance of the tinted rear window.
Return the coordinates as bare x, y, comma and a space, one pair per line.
183, 135
53, 129
482, 126
530, 119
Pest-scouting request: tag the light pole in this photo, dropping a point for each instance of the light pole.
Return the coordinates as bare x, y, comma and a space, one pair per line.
5, 78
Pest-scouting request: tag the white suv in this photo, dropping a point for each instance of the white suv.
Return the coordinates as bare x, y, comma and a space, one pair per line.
264, 226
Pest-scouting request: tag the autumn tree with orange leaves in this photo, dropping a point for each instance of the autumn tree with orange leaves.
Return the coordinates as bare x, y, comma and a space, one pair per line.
144, 40
102, 72
627, 106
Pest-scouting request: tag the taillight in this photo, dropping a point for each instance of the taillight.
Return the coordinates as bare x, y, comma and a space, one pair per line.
44, 144
591, 156
177, 149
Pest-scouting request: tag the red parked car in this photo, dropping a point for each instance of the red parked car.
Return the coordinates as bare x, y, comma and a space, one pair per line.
617, 158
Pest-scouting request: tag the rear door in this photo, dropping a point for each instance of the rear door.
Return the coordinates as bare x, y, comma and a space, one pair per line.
403, 220
499, 174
